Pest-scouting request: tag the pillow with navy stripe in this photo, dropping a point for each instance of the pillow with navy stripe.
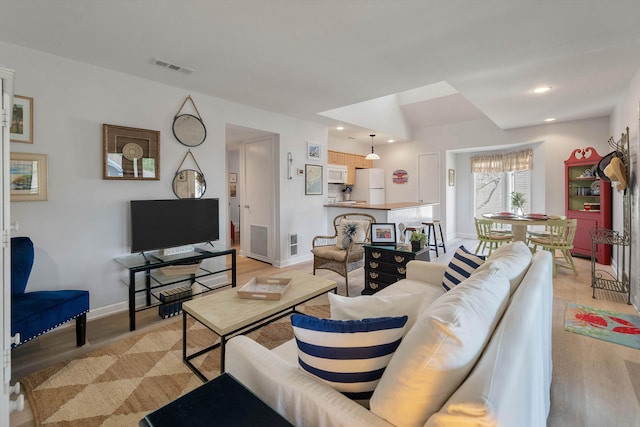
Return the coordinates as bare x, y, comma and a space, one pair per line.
460, 267
348, 355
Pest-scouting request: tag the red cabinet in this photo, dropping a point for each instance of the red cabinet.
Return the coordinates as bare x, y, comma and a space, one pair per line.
588, 199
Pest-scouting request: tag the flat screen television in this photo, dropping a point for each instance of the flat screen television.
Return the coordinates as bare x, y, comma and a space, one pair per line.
161, 224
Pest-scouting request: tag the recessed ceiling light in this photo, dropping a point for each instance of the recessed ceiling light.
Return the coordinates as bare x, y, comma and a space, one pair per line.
550, 119
340, 127
391, 140
542, 89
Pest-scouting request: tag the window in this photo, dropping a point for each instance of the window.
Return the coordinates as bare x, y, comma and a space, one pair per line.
493, 191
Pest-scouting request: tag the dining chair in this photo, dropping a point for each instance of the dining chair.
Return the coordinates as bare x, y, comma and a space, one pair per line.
560, 238
487, 236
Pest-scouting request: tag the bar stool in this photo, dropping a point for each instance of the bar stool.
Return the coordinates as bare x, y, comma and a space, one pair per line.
431, 228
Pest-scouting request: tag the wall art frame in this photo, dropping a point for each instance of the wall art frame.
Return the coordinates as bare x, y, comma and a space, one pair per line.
312, 180
130, 153
314, 151
22, 120
28, 177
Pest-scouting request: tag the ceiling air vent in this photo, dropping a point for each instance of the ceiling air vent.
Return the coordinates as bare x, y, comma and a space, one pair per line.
166, 64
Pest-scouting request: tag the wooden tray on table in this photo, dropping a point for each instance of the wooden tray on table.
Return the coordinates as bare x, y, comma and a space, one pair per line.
264, 287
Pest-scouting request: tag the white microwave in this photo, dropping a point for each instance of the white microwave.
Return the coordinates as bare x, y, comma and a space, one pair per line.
336, 174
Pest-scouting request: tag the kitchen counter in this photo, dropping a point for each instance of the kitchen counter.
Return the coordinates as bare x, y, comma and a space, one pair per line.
383, 207
407, 213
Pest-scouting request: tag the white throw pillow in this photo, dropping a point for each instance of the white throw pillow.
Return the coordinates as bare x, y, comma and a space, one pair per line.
514, 259
440, 350
351, 230
366, 306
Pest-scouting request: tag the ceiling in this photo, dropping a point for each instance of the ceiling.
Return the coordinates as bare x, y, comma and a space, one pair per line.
304, 57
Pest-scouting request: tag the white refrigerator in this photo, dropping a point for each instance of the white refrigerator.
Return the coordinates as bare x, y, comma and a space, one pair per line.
369, 186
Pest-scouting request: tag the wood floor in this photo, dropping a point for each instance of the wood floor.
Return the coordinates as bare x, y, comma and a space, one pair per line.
595, 383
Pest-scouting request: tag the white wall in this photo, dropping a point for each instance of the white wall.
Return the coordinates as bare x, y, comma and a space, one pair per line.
84, 224
626, 114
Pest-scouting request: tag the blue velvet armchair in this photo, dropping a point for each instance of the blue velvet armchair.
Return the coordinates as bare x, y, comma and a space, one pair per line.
34, 313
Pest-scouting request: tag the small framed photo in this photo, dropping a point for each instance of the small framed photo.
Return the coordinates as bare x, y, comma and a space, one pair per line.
312, 180
314, 151
383, 233
233, 177
452, 177
233, 190
22, 119
28, 177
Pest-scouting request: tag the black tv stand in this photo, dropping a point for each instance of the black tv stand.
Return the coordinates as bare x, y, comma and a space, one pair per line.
153, 280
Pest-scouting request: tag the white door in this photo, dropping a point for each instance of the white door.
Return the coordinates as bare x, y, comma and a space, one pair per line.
6, 406
429, 180
258, 203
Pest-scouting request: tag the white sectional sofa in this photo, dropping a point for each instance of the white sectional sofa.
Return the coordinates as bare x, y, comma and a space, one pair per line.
464, 379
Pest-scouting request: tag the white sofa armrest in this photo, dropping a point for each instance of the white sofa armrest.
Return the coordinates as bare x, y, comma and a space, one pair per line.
424, 271
301, 399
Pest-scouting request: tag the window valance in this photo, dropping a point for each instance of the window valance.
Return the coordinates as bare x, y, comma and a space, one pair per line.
506, 162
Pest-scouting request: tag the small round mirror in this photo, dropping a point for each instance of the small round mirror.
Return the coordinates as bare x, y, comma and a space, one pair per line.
189, 130
189, 184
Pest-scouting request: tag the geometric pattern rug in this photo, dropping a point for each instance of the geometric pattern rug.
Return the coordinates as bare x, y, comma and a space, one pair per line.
619, 328
119, 384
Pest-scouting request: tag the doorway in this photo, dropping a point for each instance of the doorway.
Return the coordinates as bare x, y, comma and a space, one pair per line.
255, 190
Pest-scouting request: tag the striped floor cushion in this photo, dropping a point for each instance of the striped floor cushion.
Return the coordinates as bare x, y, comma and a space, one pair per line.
349, 355
460, 267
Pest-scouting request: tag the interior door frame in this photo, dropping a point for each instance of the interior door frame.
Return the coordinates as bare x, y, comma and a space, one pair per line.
245, 204
6, 92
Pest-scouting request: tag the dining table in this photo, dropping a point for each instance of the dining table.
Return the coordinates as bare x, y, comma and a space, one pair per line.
519, 223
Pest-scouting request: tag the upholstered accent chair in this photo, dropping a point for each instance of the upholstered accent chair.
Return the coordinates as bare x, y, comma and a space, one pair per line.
343, 251
34, 313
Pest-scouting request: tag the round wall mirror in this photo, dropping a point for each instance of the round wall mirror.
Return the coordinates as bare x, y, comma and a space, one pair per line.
189, 130
189, 184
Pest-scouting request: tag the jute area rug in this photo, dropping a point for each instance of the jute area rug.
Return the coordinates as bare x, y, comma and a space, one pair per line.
121, 383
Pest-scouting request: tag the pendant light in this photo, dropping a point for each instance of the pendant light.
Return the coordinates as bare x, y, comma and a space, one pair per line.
372, 156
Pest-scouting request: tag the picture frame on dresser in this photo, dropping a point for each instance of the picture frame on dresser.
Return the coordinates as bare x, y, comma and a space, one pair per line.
383, 233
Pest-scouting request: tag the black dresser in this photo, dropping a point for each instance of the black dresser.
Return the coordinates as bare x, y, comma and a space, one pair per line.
384, 265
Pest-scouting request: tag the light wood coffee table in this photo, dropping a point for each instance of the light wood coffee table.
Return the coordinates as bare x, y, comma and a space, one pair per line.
226, 314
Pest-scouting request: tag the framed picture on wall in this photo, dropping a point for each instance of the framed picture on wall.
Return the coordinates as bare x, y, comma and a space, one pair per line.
314, 151
130, 153
22, 119
28, 177
312, 179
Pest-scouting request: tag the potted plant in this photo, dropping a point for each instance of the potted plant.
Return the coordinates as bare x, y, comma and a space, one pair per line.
517, 202
417, 239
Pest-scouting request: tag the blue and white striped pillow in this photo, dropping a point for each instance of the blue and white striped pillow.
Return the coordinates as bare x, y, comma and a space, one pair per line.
349, 355
460, 267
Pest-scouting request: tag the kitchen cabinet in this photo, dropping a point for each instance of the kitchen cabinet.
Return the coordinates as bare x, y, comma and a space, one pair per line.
587, 199
351, 161
363, 163
335, 158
